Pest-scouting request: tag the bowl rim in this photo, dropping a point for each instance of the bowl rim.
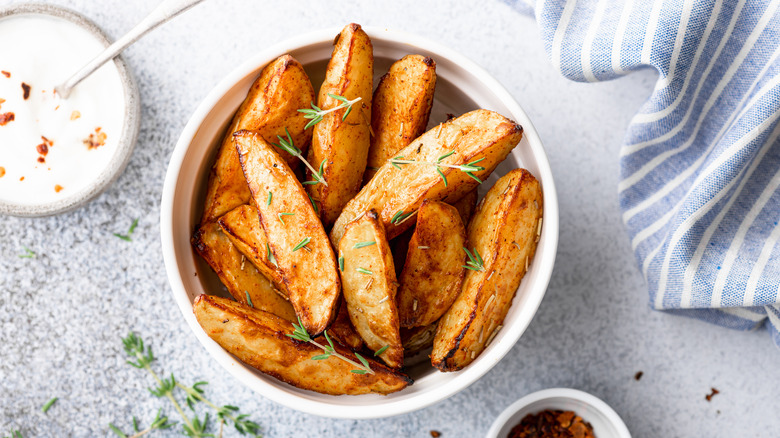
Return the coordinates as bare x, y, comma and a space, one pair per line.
464, 378
130, 127
569, 393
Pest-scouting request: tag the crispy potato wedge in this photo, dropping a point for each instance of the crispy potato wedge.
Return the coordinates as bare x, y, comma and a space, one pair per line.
294, 233
400, 108
369, 287
242, 227
343, 331
397, 192
504, 231
237, 274
271, 105
342, 142
260, 340
466, 205
417, 339
433, 272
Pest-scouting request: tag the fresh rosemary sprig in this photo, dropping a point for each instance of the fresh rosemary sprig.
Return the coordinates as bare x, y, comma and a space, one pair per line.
45, 408
341, 263
381, 350
315, 113
364, 271
194, 427
270, 197
364, 244
287, 145
319, 176
269, 255
127, 237
399, 217
248, 299
301, 244
160, 422
468, 168
281, 216
28, 253
300, 334
475, 262
314, 204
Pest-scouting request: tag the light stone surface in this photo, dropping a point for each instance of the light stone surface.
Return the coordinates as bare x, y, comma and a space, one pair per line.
62, 314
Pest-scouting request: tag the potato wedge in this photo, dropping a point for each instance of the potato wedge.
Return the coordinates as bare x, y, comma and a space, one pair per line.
397, 192
417, 339
466, 205
238, 274
343, 331
271, 105
400, 108
260, 340
294, 233
504, 231
242, 227
342, 142
369, 287
433, 271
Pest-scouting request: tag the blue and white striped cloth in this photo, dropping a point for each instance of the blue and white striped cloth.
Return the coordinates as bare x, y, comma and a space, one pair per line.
700, 166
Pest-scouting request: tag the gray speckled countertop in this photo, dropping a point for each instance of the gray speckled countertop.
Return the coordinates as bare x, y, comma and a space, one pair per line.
62, 314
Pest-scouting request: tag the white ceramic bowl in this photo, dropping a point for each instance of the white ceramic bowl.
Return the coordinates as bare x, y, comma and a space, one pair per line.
130, 125
461, 86
605, 421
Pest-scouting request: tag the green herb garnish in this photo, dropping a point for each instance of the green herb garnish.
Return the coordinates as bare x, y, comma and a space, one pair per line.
127, 237
400, 216
301, 244
248, 299
364, 244
475, 262
468, 168
270, 197
315, 113
381, 350
364, 271
269, 255
287, 145
300, 334
282, 214
28, 253
45, 408
341, 263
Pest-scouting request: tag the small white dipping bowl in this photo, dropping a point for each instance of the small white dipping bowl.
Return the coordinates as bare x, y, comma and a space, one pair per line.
130, 125
605, 421
462, 86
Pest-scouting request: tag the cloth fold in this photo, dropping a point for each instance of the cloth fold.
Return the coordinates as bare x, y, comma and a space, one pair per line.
700, 164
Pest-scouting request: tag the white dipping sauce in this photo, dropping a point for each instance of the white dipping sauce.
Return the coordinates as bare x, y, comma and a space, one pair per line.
42, 52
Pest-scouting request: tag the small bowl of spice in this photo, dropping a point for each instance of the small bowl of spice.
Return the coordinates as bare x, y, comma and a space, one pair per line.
58, 154
559, 413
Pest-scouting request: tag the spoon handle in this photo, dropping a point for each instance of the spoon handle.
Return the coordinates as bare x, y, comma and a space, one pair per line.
166, 10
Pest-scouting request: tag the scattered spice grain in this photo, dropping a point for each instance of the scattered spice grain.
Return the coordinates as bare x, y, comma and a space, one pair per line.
709, 396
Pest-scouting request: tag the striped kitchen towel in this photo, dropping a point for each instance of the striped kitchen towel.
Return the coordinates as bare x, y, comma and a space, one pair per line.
700, 164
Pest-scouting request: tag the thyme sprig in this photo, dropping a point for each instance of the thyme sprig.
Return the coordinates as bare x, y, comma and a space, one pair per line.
315, 113
287, 145
141, 357
45, 408
475, 262
300, 334
160, 422
28, 253
468, 168
128, 237
318, 176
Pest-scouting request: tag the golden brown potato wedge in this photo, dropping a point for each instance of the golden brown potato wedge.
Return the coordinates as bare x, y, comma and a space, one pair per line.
271, 105
343, 331
238, 274
433, 271
369, 286
466, 205
400, 108
296, 240
504, 231
342, 142
417, 339
260, 340
242, 227
482, 137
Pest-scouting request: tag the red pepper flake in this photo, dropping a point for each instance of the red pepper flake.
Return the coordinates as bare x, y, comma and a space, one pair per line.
43, 148
552, 424
26, 90
435, 433
5, 118
6, 74
21, 179
41, 160
638, 375
2, 101
58, 188
2, 172
709, 396
96, 139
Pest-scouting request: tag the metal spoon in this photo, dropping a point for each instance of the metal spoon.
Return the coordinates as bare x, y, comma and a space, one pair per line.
165, 11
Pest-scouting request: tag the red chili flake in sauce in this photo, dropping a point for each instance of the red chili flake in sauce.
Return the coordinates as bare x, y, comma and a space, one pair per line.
58, 188
2, 101
5, 118
552, 424
43, 148
2, 172
26, 90
6, 74
41, 160
21, 179
96, 139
